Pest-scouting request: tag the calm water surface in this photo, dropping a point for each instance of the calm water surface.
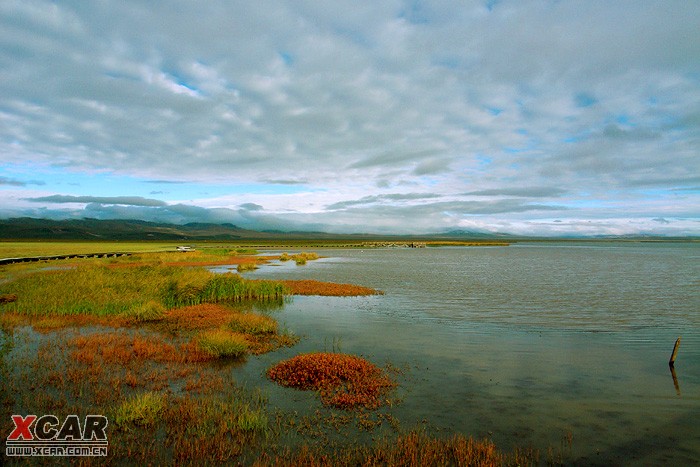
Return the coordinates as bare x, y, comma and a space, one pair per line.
524, 344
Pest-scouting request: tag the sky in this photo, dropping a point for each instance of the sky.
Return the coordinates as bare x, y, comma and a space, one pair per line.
531, 117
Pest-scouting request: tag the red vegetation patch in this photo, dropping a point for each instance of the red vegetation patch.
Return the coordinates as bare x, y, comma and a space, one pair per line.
123, 349
197, 317
343, 381
331, 289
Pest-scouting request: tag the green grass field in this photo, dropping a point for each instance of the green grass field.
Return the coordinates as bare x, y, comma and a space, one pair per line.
17, 249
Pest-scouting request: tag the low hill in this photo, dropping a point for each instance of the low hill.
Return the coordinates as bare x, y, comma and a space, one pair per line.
95, 229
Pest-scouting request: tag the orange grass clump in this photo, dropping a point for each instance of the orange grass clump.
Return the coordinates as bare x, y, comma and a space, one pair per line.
343, 381
121, 348
331, 289
197, 317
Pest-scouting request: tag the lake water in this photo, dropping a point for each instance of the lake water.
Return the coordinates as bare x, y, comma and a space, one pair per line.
527, 344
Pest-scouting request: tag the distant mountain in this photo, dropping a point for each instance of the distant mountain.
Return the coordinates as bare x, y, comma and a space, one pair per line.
95, 229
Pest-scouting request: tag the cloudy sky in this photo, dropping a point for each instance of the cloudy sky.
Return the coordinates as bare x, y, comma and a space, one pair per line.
535, 117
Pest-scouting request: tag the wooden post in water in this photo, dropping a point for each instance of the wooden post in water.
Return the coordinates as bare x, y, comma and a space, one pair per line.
675, 352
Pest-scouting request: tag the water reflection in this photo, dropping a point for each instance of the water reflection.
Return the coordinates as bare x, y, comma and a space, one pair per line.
675, 380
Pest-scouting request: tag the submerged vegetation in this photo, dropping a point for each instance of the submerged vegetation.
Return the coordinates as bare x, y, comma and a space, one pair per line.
299, 258
142, 410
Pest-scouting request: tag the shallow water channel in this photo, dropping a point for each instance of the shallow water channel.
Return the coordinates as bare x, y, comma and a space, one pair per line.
557, 345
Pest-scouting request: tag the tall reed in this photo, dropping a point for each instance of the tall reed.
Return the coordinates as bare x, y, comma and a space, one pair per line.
223, 288
103, 290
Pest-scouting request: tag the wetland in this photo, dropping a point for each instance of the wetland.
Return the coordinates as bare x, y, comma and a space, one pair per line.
531, 354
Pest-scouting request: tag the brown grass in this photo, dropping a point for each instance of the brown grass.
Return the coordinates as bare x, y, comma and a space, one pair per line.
124, 349
55, 322
8, 298
197, 258
414, 449
332, 289
197, 317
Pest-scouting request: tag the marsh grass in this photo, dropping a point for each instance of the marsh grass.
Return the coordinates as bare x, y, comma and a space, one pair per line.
165, 409
150, 311
107, 346
250, 323
299, 258
415, 448
142, 410
308, 256
313, 287
190, 319
97, 290
303, 257
103, 290
244, 267
222, 343
222, 288
249, 420
124, 348
343, 381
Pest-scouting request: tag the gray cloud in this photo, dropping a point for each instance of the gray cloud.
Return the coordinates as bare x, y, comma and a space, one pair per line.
123, 200
285, 182
530, 192
432, 167
15, 182
251, 207
372, 199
